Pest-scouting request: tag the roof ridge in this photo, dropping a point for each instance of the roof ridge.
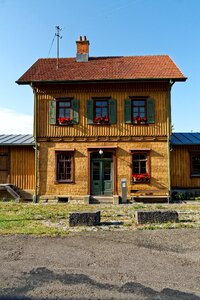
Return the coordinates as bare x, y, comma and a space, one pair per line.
107, 56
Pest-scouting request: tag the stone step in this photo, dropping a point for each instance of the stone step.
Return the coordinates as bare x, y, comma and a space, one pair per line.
101, 199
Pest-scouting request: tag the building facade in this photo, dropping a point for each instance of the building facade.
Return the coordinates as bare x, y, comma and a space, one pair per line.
185, 162
98, 120
17, 164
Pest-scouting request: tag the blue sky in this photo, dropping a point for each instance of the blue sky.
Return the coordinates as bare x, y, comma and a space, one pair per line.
113, 27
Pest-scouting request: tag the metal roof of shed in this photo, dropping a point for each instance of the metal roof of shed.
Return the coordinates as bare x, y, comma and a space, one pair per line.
178, 138
16, 140
185, 138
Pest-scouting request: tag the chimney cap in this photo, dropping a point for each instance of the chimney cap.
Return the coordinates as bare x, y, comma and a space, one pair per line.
82, 39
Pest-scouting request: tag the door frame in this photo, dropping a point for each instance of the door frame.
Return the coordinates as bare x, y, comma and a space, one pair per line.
105, 149
102, 161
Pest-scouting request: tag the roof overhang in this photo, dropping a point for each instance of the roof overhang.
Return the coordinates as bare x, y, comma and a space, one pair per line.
99, 81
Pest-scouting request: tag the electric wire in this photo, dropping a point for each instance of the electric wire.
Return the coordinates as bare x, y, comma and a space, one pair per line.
51, 45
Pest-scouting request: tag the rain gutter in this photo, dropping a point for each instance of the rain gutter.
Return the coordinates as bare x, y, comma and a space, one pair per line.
35, 197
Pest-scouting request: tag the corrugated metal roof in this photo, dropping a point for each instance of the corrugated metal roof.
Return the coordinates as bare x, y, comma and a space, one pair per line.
179, 138
185, 138
16, 140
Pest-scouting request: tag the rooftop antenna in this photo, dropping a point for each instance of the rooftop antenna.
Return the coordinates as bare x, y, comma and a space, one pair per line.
57, 34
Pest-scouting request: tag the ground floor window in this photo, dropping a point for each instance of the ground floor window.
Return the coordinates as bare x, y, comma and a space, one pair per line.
140, 167
4, 167
64, 166
195, 164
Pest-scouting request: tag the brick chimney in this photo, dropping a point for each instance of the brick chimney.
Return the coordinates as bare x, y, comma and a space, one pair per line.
82, 52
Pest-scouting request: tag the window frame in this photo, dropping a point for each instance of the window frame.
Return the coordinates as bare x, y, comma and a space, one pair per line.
5, 156
192, 154
69, 153
145, 152
69, 122
103, 120
143, 120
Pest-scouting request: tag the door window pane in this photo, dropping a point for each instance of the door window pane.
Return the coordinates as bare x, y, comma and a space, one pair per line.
96, 170
107, 170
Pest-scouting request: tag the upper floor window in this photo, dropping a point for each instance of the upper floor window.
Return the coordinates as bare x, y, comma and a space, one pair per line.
101, 111
139, 110
140, 166
64, 111
195, 164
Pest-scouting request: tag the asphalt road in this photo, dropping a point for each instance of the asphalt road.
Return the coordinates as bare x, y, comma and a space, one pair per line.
160, 264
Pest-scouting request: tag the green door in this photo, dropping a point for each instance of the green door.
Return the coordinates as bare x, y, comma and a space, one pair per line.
101, 177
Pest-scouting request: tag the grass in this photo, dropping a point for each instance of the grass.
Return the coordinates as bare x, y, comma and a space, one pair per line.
52, 219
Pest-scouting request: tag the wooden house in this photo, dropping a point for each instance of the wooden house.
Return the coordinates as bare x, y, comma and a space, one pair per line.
98, 120
185, 162
17, 165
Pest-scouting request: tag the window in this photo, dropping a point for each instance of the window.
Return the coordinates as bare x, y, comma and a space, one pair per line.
139, 111
3, 161
101, 112
140, 167
195, 164
64, 170
64, 112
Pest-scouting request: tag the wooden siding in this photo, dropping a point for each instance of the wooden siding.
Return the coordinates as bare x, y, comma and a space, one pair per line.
180, 167
158, 91
22, 167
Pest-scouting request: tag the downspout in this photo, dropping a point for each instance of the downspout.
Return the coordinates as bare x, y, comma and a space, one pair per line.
35, 197
169, 120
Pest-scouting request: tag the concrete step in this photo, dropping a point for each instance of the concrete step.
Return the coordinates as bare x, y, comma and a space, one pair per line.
101, 199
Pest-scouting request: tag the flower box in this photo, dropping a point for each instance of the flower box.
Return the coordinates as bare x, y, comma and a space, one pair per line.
141, 178
139, 120
101, 120
64, 121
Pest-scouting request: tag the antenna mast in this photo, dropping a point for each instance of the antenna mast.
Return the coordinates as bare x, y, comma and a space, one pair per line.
57, 34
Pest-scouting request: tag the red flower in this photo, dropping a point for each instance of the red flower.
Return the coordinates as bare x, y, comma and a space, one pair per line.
144, 177
63, 120
101, 120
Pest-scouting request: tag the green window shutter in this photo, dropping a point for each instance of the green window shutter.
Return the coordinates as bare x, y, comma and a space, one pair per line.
90, 111
112, 111
127, 111
52, 112
75, 111
150, 111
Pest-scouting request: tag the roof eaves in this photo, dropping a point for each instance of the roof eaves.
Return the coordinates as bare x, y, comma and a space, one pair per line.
97, 80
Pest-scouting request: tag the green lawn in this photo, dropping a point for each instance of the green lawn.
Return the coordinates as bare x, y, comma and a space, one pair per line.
52, 219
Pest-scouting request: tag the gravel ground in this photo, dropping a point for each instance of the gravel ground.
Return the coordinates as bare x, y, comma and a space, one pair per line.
159, 264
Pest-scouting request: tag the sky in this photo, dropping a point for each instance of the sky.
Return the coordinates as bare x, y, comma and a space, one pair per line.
113, 27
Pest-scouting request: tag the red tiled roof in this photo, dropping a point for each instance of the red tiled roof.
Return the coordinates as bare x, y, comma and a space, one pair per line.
103, 68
